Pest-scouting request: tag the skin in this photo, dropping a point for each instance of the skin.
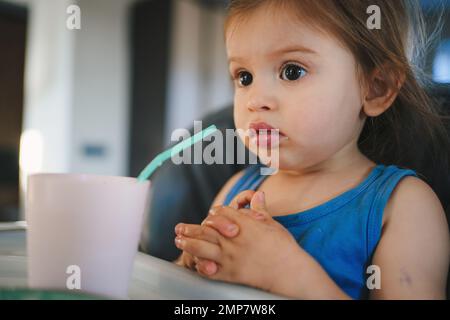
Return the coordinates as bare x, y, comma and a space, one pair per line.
322, 114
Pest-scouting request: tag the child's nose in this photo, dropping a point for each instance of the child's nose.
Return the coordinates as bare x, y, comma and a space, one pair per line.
261, 101
258, 107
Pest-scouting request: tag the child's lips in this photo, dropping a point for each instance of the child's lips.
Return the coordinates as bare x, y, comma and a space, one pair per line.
265, 136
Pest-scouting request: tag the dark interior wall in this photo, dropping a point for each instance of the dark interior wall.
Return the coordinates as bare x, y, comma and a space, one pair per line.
150, 40
13, 26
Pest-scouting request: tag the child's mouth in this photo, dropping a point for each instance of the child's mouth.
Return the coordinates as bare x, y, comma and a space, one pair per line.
265, 136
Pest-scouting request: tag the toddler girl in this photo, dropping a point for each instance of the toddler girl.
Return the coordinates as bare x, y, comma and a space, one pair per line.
347, 214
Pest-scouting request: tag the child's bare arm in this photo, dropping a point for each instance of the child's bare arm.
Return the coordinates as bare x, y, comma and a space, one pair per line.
413, 253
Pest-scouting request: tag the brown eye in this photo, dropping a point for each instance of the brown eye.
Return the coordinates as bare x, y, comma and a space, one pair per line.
292, 72
245, 78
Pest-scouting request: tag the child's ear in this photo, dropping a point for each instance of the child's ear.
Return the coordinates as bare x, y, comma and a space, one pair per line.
381, 90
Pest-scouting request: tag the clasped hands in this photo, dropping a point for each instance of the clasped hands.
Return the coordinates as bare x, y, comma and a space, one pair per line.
240, 245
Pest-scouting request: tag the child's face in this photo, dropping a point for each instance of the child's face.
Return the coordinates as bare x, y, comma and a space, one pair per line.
312, 95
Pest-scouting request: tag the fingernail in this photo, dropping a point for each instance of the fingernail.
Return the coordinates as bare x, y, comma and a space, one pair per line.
261, 196
210, 268
179, 229
212, 212
232, 228
179, 242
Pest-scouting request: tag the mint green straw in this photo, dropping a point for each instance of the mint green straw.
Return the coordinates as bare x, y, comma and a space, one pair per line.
160, 158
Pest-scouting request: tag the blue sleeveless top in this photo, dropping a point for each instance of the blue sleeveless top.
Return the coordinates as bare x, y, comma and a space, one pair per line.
342, 233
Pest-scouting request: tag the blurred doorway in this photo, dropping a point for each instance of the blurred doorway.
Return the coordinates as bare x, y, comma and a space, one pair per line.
13, 26
150, 41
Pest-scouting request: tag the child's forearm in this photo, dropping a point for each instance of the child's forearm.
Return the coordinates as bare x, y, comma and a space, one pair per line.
304, 278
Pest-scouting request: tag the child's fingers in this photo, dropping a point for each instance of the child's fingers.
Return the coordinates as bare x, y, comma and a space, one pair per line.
222, 224
196, 231
242, 199
186, 260
251, 213
258, 204
234, 216
206, 267
199, 248
221, 217
212, 271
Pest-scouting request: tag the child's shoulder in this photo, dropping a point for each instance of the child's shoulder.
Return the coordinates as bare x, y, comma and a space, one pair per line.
413, 200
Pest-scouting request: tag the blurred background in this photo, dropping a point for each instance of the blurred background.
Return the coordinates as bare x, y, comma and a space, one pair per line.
105, 98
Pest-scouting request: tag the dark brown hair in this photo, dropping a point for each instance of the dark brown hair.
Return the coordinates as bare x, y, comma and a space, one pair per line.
411, 133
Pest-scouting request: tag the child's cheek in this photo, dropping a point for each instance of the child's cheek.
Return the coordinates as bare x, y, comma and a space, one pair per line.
240, 115
311, 121
331, 130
